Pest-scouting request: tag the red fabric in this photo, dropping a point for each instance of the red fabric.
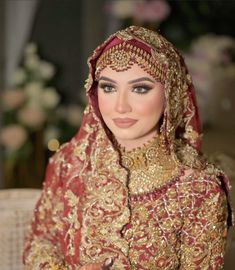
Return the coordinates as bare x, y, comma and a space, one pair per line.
87, 169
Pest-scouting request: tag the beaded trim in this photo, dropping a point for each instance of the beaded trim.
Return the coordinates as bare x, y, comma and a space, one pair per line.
156, 193
122, 56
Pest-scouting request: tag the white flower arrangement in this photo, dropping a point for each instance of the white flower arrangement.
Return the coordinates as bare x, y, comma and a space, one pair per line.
32, 106
13, 137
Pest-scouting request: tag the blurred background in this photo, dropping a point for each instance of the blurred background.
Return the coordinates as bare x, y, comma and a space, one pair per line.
44, 46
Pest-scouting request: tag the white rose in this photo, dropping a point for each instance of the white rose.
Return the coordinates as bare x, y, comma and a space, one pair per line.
19, 76
32, 62
13, 137
33, 89
34, 94
50, 98
46, 70
32, 117
11, 99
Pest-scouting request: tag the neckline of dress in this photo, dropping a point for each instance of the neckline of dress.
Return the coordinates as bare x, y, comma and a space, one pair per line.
153, 141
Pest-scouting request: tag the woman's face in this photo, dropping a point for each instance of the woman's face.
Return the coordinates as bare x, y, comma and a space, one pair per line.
131, 103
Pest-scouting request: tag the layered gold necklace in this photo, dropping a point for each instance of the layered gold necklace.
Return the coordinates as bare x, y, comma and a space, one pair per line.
149, 166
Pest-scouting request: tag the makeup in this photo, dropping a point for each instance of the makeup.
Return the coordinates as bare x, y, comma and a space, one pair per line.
124, 122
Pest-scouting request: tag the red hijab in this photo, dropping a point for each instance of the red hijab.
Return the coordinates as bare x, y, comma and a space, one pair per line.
99, 158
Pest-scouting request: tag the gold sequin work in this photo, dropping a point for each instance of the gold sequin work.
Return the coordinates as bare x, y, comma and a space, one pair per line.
171, 229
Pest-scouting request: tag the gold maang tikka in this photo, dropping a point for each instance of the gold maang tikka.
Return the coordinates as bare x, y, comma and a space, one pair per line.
122, 56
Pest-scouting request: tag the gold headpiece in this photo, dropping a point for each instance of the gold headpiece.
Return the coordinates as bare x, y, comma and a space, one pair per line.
122, 56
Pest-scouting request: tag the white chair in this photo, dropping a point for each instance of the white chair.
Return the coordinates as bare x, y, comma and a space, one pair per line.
16, 211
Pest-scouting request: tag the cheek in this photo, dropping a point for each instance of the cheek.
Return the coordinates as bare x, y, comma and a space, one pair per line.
153, 105
105, 104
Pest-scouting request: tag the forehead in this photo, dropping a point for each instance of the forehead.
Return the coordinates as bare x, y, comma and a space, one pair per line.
133, 72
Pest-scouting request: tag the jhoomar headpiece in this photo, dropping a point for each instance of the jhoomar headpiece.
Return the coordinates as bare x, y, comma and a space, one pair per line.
122, 56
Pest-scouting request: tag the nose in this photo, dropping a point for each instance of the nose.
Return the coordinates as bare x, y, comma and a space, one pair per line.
122, 103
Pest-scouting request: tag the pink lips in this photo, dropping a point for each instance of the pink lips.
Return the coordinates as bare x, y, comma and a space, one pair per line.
124, 122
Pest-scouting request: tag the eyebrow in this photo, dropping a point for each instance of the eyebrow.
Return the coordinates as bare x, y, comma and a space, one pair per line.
106, 79
130, 82
141, 79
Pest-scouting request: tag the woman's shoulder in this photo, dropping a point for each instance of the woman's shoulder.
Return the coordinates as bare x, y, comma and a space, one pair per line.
205, 180
206, 187
65, 151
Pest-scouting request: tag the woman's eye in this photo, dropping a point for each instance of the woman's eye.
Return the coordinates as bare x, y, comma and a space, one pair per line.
141, 89
107, 88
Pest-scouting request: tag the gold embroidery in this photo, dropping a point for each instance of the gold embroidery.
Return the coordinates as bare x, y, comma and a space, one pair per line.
191, 134
175, 230
146, 36
88, 82
105, 210
72, 219
46, 256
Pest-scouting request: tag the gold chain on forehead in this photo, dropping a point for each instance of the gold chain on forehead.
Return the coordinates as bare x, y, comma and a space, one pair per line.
122, 56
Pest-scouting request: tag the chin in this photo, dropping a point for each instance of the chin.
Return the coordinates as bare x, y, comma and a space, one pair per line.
128, 135
123, 132
120, 136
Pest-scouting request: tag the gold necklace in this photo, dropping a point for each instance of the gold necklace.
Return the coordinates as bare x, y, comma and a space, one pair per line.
149, 166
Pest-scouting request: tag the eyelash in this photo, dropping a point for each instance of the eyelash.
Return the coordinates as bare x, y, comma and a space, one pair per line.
144, 89
105, 86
